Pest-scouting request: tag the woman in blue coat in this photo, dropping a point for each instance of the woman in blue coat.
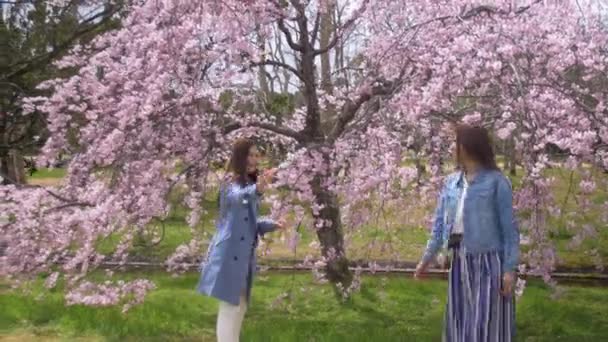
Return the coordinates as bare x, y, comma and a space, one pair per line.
227, 273
474, 221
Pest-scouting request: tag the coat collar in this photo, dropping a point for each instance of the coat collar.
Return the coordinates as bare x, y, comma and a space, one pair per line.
479, 175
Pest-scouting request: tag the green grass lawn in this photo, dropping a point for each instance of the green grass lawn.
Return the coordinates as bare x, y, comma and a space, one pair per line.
49, 173
391, 308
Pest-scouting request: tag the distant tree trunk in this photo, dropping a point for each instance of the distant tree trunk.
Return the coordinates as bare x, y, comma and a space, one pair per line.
265, 89
13, 166
326, 30
283, 84
511, 158
339, 53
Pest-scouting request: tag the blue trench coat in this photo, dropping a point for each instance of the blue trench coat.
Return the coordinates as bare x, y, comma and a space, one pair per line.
230, 265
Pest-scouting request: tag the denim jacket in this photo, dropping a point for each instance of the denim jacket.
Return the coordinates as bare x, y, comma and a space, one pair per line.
489, 223
231, 260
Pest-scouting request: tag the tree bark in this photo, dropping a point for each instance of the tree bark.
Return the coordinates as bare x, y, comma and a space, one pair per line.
326, 30
511, 158
325, 34
262, 70
13, 167
331, 237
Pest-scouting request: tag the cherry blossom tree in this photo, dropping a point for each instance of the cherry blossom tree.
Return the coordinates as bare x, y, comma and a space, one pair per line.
147, 105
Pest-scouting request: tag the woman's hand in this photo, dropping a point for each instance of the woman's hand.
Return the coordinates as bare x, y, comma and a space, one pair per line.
421, 268
266, 179
280, 224
508, 283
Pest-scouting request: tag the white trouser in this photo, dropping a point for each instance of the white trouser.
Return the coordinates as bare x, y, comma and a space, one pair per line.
230, 319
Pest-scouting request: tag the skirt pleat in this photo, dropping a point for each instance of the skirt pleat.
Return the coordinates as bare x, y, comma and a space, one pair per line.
476, 311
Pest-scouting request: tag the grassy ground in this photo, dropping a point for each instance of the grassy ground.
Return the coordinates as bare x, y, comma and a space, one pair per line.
400, 242
393, 308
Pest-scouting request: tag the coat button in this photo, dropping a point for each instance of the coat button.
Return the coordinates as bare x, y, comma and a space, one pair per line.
242, 238
235, 258
246, 218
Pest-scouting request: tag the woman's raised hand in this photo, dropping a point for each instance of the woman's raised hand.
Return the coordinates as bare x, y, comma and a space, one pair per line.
266, 179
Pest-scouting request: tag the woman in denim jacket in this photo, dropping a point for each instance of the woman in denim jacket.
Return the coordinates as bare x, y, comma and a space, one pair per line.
474, 221
227, 272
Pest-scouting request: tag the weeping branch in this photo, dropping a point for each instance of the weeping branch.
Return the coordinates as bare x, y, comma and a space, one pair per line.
68, 202
351, 107
231, 127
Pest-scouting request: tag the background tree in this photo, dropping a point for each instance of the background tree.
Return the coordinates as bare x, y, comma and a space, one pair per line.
34, 35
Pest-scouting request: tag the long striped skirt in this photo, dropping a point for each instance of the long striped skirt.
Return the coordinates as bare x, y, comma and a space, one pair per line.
476, 310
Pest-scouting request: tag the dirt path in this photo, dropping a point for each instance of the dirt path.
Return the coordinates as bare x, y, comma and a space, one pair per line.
45, 181
27, 337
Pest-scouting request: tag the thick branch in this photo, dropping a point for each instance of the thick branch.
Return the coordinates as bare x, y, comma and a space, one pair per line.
288, 37
351, 107
315, 30
67, 205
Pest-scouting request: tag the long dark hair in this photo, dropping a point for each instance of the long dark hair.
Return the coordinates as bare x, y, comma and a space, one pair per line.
476, 141
237, 164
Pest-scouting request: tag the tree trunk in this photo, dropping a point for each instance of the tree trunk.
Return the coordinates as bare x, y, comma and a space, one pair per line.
283, 84
325, 34
511, 158
420, 170
339, 52
13, 167
331, 237
326, 30
262, 70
